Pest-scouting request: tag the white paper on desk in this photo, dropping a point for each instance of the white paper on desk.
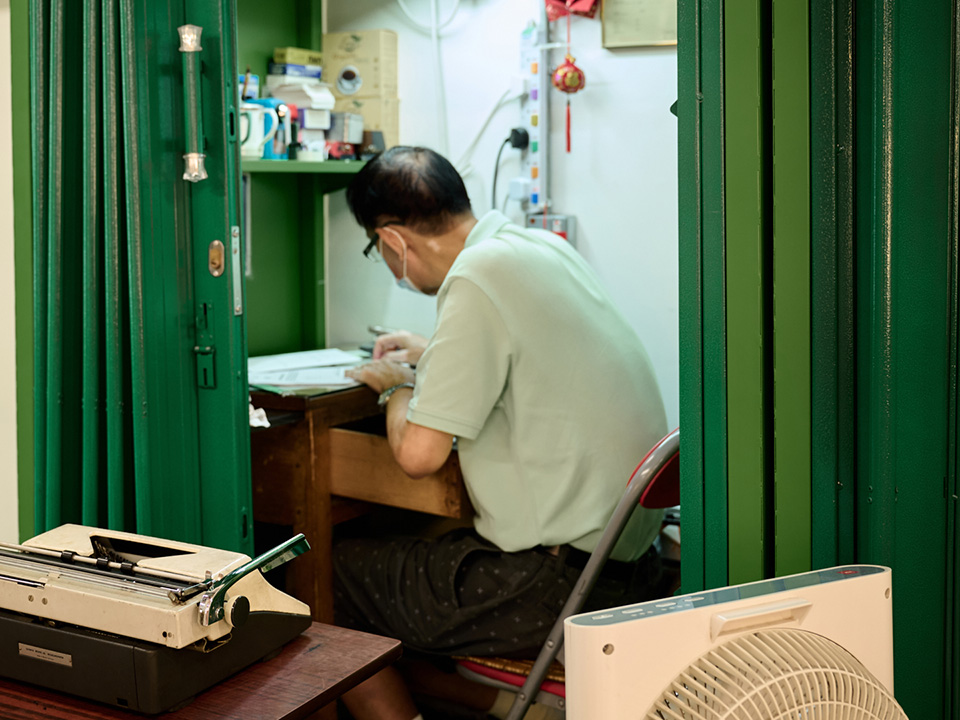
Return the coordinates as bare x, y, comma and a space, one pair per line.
300, 360
308, 377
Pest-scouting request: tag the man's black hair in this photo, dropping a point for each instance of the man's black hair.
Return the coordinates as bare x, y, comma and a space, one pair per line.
413, 185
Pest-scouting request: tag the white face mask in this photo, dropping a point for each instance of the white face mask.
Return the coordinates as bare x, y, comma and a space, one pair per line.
403, 281
405, 284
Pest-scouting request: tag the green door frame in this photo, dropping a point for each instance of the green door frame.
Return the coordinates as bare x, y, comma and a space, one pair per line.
23, 260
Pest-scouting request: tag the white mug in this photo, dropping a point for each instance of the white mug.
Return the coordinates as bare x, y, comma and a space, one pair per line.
252, 136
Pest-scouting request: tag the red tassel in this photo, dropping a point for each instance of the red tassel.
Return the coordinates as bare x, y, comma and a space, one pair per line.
568, 125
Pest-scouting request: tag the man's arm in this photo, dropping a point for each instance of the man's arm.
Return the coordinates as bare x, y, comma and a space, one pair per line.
418, 450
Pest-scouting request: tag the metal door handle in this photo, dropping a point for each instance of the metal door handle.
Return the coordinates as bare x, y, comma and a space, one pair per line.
193, 169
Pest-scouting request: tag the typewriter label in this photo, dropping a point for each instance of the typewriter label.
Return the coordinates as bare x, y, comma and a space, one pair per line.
39, 653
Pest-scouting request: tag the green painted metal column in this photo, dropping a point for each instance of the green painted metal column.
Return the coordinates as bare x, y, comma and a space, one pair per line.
747, 205
906, 135
833, 325
92, 264
952, 626
791, 285
23, 217
39, 71
117, 458
702, 299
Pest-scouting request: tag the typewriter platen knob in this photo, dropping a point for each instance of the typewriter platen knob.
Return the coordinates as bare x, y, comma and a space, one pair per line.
238, 610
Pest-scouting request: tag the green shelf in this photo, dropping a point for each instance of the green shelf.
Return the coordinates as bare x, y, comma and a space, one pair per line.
328, 175
331, 167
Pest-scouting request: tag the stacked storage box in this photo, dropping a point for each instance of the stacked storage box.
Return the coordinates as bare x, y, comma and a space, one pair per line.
295, 76
361, 68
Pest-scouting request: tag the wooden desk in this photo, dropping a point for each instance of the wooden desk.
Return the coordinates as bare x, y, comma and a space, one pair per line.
311, 671
309, 474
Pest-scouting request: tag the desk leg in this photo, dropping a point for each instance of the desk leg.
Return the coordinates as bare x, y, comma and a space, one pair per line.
290, 487
311, 577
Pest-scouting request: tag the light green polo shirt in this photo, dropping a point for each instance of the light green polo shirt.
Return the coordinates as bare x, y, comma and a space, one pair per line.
548, 389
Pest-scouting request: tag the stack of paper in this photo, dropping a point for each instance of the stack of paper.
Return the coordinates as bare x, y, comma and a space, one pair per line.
311, 368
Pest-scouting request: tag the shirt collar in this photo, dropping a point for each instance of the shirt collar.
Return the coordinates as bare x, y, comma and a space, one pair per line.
487, 226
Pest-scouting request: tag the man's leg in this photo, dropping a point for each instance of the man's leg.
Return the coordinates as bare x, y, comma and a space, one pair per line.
381, 697
425, 678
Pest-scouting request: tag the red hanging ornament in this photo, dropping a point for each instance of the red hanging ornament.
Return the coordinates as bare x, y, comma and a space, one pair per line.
567, 77
557, 9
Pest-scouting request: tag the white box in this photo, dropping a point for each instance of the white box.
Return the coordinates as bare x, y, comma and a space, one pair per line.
379, 113
313, 141
314, 119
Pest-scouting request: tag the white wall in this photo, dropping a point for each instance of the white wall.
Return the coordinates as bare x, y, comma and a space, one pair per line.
8, 361
620, 180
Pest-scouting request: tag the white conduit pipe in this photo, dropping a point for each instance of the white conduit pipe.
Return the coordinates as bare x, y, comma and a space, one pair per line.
438, 77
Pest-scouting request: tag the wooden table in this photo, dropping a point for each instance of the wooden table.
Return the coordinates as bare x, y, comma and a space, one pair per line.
311, 671
311, 472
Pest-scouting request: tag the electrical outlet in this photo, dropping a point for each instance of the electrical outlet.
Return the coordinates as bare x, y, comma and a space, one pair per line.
563, 225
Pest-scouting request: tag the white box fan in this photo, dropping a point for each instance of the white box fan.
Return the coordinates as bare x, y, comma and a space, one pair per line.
813, 646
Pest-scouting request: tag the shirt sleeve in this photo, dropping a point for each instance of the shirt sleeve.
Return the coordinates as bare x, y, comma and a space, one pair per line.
464, 369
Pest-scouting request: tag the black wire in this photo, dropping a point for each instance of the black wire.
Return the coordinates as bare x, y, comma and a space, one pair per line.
496, 168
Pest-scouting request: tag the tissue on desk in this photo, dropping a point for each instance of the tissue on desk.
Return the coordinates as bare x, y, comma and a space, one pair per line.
258, 417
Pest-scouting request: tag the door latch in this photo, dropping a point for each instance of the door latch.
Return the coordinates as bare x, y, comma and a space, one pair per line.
206, 377
204, 350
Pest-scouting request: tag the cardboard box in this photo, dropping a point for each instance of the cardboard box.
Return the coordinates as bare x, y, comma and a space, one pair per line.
345, 128
379, 113
297, 56
361, 63
293, 70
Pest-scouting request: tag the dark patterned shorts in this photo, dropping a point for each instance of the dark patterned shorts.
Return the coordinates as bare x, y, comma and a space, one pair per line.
461, 595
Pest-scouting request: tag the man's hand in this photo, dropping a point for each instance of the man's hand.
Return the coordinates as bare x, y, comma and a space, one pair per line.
400, 346
381, 374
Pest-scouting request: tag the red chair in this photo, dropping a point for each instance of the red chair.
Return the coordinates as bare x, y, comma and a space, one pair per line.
654, 484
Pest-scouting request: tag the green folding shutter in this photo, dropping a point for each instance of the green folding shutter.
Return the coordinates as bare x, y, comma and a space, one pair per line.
128, 434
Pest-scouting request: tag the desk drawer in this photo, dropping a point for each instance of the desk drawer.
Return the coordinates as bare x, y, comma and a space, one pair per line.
362, 467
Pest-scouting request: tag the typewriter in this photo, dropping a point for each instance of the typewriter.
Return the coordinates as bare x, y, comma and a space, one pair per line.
138, 622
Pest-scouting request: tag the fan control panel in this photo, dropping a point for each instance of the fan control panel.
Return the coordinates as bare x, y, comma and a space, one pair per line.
707, 598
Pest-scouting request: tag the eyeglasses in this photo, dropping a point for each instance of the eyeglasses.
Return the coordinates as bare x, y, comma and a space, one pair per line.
372, 250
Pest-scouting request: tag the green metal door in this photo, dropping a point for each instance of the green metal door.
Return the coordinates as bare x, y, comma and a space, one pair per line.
140, 413
906, 295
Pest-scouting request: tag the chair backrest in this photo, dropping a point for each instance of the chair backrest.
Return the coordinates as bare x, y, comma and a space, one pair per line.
654, 484
663, 490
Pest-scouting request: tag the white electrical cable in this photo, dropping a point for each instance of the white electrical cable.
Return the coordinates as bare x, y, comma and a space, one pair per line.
426, 27
438, 78
463, 164
434, 28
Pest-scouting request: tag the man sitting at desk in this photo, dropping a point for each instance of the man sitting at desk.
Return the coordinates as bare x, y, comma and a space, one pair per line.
553, 401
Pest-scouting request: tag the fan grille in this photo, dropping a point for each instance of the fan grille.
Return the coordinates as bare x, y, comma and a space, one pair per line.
775, 675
